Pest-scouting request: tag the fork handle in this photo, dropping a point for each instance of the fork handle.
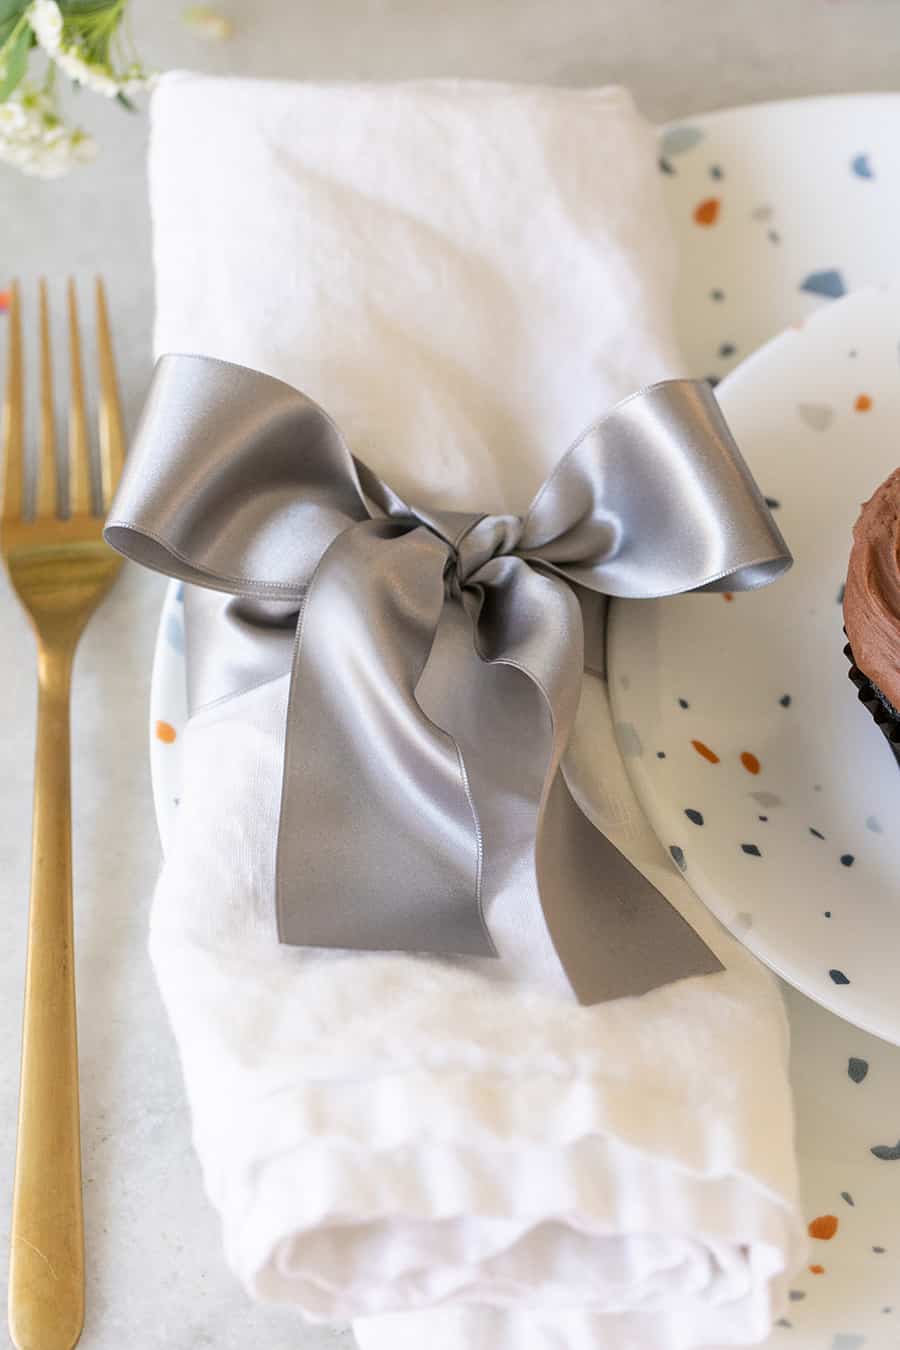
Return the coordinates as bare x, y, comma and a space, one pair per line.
46, 1274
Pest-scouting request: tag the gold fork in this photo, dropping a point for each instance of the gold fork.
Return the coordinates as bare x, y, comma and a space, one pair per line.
60, 569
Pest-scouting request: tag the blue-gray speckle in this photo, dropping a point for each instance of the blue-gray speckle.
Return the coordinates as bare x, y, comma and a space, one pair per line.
679, 139
829, 283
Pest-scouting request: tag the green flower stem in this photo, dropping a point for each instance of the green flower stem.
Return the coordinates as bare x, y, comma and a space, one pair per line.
20, 24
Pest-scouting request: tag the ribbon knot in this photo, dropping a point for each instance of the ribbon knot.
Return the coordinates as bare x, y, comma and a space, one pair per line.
472, 540
438, 657
488, 538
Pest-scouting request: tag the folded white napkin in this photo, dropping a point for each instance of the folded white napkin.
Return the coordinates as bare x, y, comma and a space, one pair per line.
464, 275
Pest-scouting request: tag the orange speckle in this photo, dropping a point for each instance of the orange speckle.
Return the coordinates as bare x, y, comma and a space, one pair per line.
863, 403
750, 762
726, 595
165, 732
707, 212
4, 301
705, 751
824, 1227
817, 1270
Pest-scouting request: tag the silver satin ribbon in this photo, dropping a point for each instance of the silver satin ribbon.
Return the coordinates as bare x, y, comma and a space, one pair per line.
391, 615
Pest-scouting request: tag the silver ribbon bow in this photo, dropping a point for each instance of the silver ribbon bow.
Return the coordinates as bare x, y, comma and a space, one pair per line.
393, 618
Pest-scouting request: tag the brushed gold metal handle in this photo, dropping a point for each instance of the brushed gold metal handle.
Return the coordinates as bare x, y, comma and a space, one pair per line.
61, 569
46, 1276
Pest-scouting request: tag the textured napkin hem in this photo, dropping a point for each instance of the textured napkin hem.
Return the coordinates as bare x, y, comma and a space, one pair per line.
347, 1182
344, 1232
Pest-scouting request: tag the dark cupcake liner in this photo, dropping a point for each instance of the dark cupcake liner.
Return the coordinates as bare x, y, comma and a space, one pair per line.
885, 715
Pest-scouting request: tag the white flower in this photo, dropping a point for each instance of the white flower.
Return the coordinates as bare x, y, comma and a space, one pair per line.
100, 79
86, 73
46, 22
34, 140
12, 118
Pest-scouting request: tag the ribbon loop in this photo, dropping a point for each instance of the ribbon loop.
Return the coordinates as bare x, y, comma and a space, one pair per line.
655, 499
239, 484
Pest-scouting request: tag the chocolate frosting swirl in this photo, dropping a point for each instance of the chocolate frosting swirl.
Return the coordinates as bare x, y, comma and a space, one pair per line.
872, 594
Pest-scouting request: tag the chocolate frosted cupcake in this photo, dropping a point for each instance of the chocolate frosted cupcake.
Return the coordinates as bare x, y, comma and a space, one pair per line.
872, 608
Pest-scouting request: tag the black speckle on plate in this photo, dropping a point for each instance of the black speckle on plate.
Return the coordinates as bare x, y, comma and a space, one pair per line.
678, 854
857, 1068
693, 815
887, 1152
752, 850
772, 503
838, 977
683, 703
847, 1198
727, 349
785, 700
817, 833
666, 165
847, 859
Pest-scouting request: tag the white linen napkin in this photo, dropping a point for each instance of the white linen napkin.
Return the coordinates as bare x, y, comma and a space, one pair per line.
464, 275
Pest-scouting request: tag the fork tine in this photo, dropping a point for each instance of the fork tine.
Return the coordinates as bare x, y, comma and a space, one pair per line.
45, 495
112, 439
79, 450
13, 414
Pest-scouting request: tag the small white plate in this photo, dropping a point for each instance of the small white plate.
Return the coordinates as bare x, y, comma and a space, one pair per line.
769, 783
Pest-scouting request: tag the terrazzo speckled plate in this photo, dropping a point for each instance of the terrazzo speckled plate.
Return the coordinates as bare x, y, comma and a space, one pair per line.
807, 196
778, 209
772, 788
